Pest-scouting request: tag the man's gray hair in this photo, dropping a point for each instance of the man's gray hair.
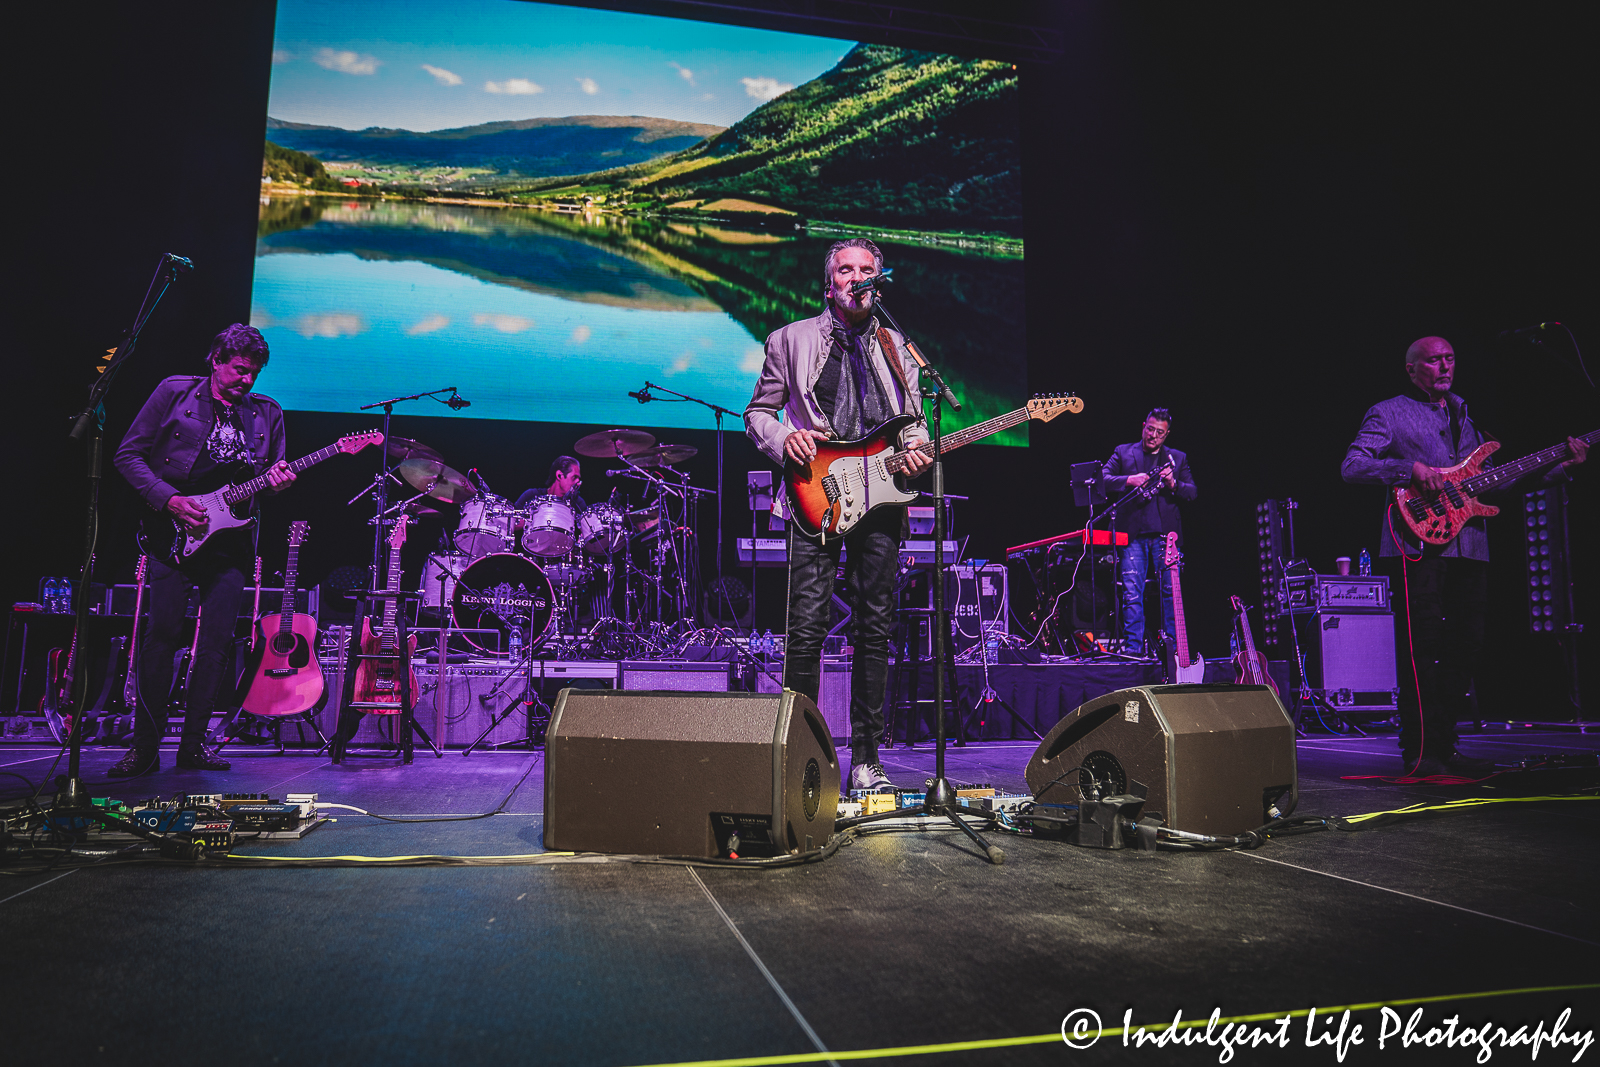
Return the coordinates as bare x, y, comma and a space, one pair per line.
840, 246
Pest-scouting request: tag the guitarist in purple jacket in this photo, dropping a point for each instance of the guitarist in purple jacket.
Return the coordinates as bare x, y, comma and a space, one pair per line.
190, 431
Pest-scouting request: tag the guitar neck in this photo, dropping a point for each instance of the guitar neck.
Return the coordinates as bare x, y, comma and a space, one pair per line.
388, 636
976, 432
235, 494
1182, 636
1510, 472
291, 575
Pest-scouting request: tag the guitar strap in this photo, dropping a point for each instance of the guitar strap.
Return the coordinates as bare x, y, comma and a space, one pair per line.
892, 355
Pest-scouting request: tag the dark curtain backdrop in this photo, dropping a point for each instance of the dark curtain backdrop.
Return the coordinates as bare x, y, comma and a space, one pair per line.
1242, 212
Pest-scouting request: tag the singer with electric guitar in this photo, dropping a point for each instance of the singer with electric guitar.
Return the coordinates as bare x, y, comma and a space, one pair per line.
1433, 543
1157, 479
191, 431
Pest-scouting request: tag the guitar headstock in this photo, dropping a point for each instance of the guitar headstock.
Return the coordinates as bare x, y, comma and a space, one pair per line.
139, 569
1237, 605
1172, 558
298, 531
398, 538
355, 442
1046, 406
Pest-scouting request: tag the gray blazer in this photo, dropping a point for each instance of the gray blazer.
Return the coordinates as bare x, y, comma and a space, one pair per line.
785, 401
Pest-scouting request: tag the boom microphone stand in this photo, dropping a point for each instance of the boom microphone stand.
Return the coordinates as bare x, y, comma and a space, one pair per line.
91, 423
941, 796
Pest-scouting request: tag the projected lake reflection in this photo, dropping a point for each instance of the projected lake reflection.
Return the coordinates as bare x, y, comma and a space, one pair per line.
552, 318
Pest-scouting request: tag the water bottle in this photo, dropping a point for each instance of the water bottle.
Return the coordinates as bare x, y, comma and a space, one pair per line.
516, 644
991, 649
769, 646
52, 593
1366, 562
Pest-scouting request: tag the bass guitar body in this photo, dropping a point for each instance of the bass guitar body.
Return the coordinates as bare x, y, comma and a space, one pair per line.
1438, 517
830, 494
378, 680
287, 680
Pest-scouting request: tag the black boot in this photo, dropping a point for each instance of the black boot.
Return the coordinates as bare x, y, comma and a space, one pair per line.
199, 758
134, 763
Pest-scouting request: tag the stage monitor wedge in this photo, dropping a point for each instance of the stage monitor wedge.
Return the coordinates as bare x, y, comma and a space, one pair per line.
1213, 759
661, 772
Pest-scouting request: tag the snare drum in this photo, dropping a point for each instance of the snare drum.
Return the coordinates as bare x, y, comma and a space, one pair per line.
549, 528
601, 531
486, 526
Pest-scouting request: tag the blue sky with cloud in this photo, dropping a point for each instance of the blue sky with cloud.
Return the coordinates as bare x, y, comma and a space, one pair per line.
438, 64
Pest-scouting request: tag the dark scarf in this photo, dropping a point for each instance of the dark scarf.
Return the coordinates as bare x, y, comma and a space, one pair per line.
860, 403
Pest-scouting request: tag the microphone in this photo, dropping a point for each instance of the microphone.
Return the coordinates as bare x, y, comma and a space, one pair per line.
872, 283
182, 263
457, 401
643, 395
1527, 330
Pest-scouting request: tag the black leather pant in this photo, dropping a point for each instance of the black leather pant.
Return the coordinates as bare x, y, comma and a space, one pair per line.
221, 581
872, 549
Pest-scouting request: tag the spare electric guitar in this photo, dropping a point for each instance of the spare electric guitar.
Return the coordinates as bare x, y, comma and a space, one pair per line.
286, 678
847, 479
1436, 517
130, 680
227, 503
1250, 666
1187, 668
378, 673
56, 703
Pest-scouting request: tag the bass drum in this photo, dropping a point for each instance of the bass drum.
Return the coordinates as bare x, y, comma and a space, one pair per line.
486, 526
601, 530
549, 528
500, 593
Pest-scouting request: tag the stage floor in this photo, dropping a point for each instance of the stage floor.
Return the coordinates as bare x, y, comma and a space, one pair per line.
899, 940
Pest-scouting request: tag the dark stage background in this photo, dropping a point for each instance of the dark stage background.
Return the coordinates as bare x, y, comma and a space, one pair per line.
1242, 212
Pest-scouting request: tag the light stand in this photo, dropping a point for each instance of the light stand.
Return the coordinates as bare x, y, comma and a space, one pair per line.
91, 424
940, 799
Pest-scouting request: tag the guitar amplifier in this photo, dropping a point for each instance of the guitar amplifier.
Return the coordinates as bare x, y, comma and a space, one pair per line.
977, 598
1350, 661
1346, 594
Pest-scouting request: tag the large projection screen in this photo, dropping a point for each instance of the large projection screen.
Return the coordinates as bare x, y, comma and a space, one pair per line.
548, 206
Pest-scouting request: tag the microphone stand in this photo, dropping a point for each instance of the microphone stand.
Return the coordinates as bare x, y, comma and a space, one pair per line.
1143, 494
940, 799
380, 485
90, 426
718, 410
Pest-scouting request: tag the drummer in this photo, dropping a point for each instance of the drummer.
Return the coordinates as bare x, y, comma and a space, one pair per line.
564, 481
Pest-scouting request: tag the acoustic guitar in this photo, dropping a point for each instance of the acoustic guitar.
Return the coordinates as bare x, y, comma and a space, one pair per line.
1250, 666
286, 678
378, 673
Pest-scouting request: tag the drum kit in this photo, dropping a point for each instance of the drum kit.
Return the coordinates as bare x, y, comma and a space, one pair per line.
611, 579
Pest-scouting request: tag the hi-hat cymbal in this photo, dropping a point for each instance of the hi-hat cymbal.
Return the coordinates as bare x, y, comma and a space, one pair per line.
406, 448
609, 444
663, 455
437, 480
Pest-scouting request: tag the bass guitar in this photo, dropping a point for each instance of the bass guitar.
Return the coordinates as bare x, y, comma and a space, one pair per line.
847, 479
1250, 666
1187, 669
378, 673
227, 503
1436, 517
286, 678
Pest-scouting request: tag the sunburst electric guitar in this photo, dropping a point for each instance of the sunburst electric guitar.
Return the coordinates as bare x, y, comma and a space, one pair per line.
227, 504
847, 479
288, 679
1436, 517
1187, 669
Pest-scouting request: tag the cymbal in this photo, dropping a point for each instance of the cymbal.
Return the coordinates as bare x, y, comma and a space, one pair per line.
663, 455
609, 444
406, 448
437, 480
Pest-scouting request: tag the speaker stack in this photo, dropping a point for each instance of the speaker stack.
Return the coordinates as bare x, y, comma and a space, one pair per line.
1210, 759
688, 774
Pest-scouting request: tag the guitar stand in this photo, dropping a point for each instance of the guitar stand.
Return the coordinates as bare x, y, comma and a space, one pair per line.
351, 710
274, 723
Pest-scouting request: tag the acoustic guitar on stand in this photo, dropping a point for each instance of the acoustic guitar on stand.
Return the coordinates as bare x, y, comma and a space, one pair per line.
287, 679
847, 479
1250, 666
378, 678
1436, 517
1187, 668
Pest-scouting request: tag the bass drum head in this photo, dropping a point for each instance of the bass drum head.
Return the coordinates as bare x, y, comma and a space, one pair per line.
503, 592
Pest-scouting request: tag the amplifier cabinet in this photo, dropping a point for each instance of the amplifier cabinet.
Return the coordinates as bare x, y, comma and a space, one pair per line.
833, 701
1350, 660
692, 675
679, 774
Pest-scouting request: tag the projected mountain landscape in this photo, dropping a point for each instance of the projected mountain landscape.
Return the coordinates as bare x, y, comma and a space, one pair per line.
555, 262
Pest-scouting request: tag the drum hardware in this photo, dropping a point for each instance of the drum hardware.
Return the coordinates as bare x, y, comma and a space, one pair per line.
663, 456
488, 525
403, 448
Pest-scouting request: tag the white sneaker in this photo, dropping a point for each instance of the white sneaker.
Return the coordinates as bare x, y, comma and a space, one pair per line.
869, 776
